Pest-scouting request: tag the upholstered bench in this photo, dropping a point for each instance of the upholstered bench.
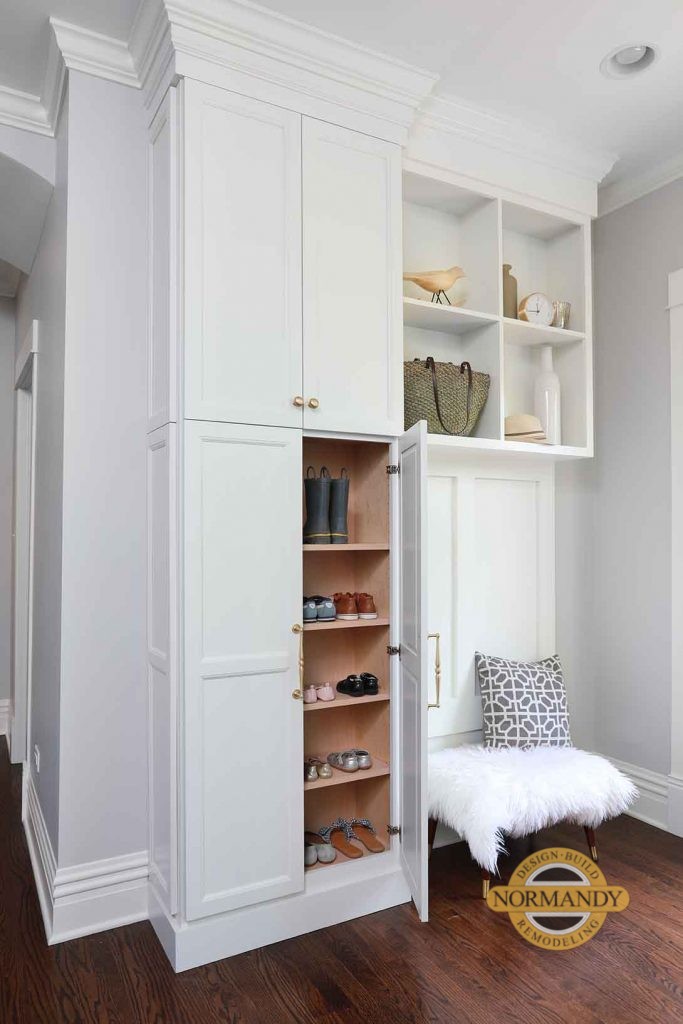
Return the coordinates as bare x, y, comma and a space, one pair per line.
486, 793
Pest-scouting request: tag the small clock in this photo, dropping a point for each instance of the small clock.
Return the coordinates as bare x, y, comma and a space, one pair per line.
537, 309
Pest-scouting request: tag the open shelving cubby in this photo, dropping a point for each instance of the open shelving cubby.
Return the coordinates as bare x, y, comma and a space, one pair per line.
446, 223
333, 650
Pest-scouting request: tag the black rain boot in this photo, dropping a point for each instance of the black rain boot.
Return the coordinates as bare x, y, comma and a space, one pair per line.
339, 509
317, 527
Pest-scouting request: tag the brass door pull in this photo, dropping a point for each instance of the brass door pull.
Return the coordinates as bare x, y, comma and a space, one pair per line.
313, 403
298, 401
299, 630
437, 668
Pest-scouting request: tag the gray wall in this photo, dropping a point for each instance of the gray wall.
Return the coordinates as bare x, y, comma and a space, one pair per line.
629, 593
42, 296
6, 486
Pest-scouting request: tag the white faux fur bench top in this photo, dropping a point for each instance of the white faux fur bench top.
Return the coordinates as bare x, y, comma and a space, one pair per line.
484, 792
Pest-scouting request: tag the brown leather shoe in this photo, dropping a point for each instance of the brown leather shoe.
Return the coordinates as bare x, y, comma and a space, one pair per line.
366, 606
346, 606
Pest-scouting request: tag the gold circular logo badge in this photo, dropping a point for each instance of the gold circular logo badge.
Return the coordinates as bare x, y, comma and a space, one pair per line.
557, 898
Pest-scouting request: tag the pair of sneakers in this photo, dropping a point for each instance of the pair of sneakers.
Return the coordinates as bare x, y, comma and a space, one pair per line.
355, 606
319, 609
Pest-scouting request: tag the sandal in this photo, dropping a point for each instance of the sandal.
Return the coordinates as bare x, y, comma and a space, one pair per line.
324, 851
346, 761
338, 834
362, 830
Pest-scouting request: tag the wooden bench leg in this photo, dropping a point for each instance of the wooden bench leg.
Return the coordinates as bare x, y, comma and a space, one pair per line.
485, 883
431, 833
590, 839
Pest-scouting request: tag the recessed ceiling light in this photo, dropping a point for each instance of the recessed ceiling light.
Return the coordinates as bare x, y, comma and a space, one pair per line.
629, 60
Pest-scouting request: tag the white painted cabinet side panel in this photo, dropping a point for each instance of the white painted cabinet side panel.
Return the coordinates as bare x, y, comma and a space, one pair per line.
353, 362
243, 749
491, 576
162, 662
242, 259
162, 256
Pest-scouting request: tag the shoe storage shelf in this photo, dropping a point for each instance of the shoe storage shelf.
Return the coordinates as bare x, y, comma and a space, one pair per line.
445, 225
334, 650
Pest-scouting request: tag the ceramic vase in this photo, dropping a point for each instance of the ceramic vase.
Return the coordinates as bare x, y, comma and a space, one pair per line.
509, 292
547, 405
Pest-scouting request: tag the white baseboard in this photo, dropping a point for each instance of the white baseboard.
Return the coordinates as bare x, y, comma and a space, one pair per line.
652, 806
192, 944
4, 717
87, 898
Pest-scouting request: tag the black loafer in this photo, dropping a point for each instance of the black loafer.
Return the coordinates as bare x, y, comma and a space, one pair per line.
352, 686
370, 684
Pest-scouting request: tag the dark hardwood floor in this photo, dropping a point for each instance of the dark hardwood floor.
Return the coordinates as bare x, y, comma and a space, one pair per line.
467, 964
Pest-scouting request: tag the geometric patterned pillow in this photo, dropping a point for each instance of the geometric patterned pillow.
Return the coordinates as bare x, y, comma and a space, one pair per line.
524, 702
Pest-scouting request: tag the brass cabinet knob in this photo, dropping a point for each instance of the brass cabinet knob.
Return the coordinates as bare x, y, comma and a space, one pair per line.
297, 695
313, 403
298, 401
297, 628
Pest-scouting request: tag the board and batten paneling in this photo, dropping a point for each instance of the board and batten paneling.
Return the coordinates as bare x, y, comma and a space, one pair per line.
243, 735
242, 258
352, 280
491, 576
162, 662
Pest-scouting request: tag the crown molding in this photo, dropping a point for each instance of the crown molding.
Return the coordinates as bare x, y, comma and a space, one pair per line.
22, 110
631, 187
450, 115
94, 54
245, 39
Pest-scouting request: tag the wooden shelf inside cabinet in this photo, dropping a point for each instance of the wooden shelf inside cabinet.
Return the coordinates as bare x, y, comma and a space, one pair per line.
317, 627
519, 332
431, 316
342, 859
342, 701
339, 548
379, 768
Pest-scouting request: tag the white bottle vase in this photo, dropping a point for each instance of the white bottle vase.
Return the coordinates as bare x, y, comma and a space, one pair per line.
547, 397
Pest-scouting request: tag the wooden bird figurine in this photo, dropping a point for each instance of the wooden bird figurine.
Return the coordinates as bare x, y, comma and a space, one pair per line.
438, 282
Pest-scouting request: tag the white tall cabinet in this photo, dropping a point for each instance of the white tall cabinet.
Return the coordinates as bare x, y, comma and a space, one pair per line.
275, 319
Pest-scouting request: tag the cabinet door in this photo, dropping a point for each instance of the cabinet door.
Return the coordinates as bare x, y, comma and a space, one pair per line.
413, 661
243, 751
242, 259
352, 281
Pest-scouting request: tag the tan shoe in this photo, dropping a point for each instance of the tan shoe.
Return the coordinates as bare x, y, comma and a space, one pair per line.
366, 606
345, 605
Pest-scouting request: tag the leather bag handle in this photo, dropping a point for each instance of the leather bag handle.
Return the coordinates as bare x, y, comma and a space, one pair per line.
463, 368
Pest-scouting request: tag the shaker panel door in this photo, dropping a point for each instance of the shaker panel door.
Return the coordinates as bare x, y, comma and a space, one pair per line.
242, 259
352, 281
243, 747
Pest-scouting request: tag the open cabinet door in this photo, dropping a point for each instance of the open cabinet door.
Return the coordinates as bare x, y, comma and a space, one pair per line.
413, 661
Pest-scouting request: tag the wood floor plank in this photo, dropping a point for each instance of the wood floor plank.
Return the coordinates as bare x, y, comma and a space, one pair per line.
466, 966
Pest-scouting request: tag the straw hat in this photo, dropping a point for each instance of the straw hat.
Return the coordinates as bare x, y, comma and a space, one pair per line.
522, 426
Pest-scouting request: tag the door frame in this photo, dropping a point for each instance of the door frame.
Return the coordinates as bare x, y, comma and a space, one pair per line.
25, 387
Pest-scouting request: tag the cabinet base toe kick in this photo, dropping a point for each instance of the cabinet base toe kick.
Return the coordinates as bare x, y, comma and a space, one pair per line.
193, 944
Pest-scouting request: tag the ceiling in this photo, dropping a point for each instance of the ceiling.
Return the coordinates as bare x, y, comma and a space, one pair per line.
534, 61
